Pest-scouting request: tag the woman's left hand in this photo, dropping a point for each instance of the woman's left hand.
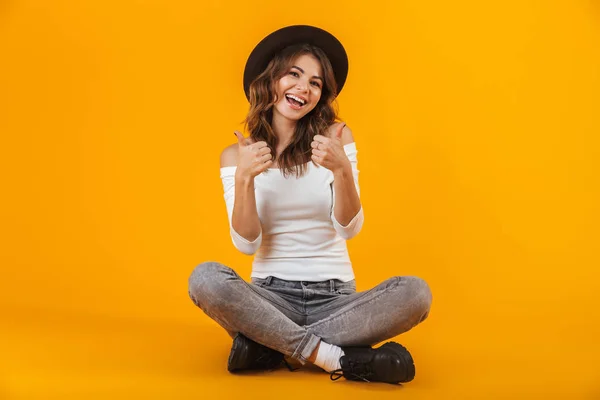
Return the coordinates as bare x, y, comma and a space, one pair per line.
329, 152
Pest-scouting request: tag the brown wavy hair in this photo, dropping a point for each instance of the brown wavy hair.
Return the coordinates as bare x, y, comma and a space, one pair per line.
294, 158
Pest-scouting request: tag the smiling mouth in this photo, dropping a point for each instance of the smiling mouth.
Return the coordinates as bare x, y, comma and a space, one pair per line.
294, 103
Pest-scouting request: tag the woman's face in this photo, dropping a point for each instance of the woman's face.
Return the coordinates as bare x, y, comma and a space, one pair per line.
299, 90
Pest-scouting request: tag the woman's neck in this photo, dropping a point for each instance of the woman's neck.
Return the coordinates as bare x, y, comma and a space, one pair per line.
284, 129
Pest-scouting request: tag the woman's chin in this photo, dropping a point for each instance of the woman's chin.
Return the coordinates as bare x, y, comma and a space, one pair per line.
288, 113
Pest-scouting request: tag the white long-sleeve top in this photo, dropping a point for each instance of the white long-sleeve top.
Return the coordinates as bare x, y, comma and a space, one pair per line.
300, 239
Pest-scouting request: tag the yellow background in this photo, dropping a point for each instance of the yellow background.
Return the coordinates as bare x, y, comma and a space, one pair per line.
477, 127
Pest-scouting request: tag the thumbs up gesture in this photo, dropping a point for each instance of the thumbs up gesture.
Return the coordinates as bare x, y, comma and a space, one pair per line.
329, 151
253, 158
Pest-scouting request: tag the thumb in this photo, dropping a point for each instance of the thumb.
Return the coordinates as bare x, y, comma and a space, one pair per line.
338, 133
240, 138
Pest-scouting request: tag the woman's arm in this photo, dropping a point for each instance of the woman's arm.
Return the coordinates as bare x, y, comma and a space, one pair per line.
347, 203
347, 216
245, 216
245, 229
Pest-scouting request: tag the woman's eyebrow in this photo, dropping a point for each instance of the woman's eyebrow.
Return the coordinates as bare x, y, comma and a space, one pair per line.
301, 70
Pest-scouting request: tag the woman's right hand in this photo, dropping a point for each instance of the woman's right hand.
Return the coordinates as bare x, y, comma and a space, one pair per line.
253, 158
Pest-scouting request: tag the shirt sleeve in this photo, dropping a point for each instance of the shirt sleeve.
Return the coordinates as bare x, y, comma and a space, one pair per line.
355, 225
240, 243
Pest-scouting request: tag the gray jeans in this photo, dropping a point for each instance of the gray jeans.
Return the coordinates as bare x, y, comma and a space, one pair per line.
292, 317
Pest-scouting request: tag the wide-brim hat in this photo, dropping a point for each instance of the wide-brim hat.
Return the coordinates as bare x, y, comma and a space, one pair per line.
294, 34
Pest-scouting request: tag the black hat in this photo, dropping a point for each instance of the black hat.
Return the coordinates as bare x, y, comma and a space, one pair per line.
284, 37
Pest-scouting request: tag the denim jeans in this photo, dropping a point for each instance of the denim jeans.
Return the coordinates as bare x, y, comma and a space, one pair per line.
292, 317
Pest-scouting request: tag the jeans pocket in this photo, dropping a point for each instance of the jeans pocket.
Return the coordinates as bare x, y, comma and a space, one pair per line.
345, 288
260, 282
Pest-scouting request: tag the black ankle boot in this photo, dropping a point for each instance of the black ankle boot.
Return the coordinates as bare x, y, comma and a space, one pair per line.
246, 354
390, 363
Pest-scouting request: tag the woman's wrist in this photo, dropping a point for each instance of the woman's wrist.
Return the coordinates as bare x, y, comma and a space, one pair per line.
345, 170
243, 179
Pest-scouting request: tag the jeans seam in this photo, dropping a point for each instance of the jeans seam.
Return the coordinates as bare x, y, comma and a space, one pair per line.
355, 306
268, 282
282, 305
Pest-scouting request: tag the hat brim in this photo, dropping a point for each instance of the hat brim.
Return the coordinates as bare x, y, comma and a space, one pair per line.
284, 37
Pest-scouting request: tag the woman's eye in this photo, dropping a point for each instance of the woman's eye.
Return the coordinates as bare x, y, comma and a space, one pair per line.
316, 84
295, 74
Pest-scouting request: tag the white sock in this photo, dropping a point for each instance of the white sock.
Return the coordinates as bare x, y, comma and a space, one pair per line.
328, 357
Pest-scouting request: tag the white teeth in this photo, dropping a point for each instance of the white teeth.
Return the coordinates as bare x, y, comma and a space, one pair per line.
298, 99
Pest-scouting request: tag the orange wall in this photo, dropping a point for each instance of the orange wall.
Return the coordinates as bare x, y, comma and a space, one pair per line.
478, 134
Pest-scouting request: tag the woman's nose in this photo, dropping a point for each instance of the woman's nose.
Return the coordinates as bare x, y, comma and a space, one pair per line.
301, 85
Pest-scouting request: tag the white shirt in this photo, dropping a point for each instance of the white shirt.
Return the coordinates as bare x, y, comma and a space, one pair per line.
300, 239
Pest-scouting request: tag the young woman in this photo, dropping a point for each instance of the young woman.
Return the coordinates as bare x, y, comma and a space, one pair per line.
292, 197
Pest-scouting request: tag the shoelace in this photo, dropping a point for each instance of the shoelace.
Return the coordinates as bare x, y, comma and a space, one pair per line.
336, 374
358, 370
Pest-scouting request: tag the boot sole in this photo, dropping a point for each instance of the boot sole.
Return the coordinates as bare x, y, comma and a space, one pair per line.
238, 352
239, 357
405, 356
